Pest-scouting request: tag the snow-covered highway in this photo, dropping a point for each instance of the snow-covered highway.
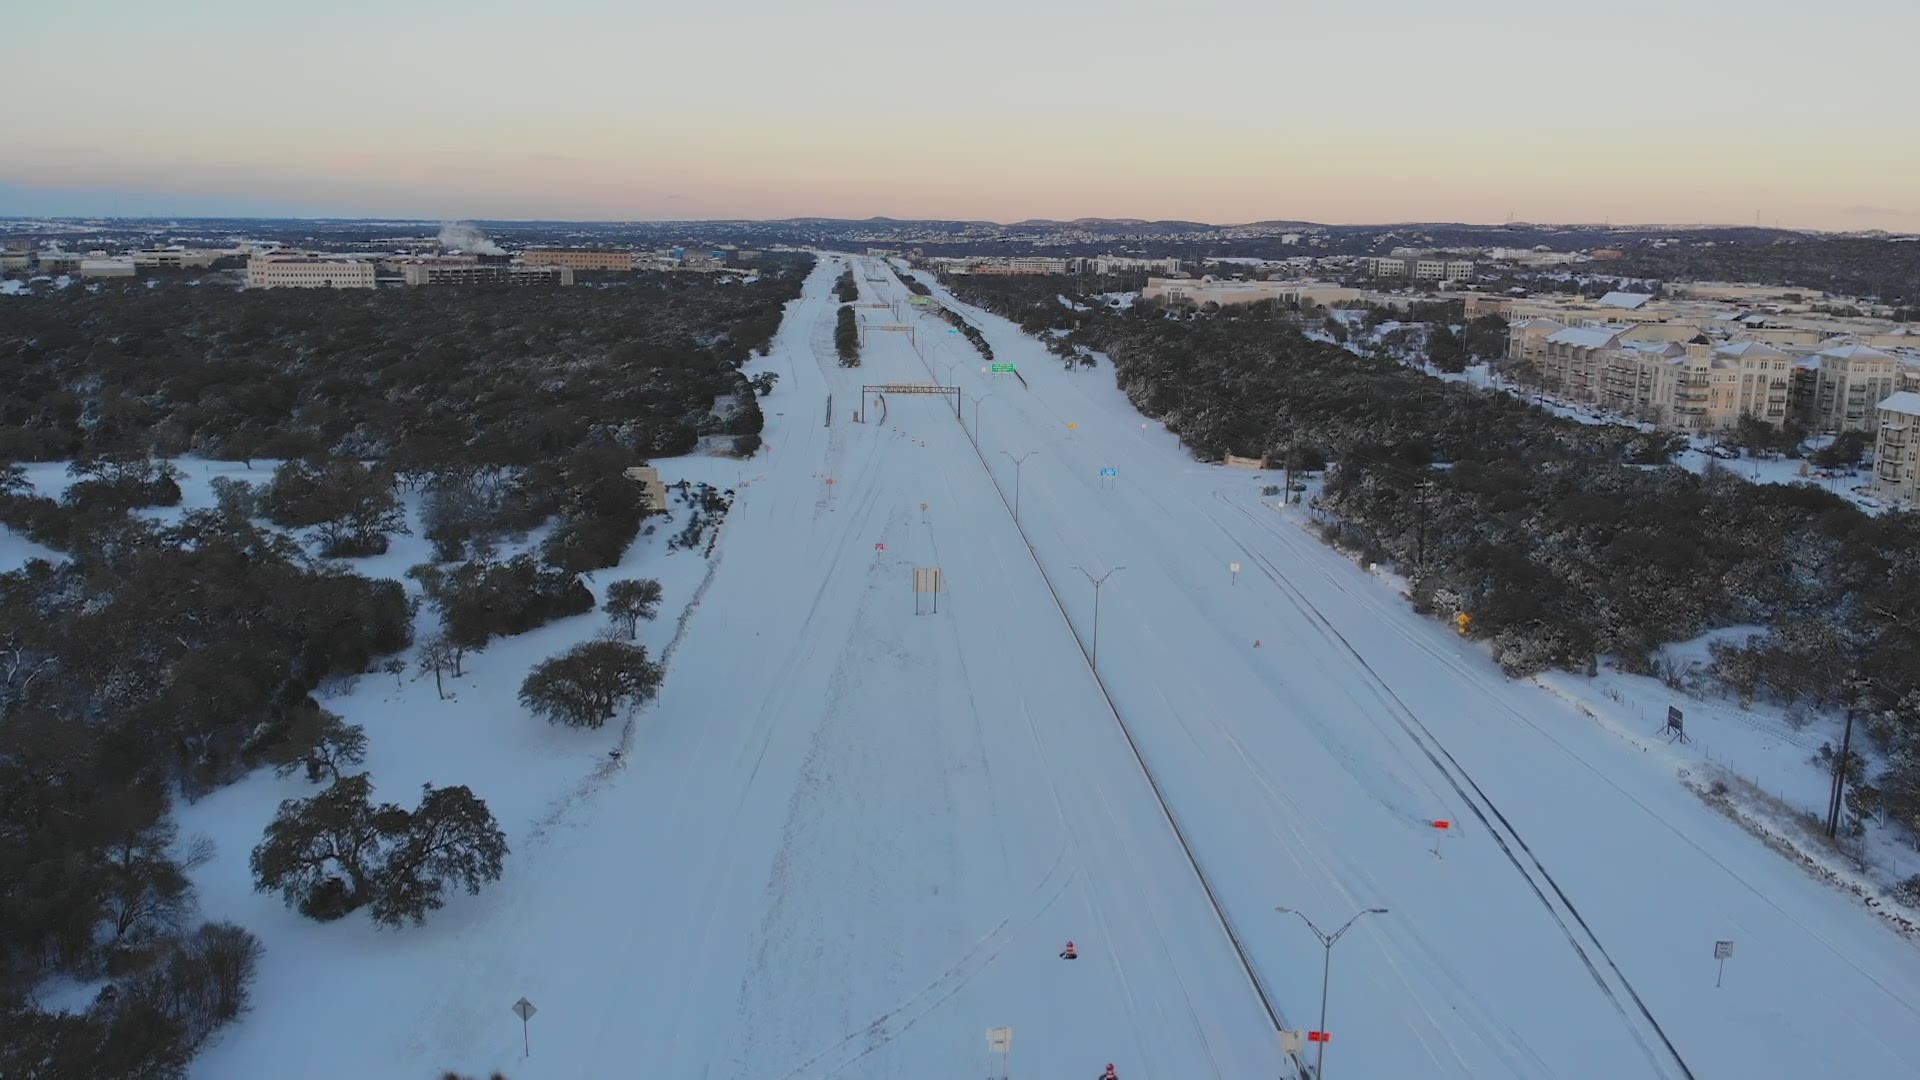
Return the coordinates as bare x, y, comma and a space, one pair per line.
850, 837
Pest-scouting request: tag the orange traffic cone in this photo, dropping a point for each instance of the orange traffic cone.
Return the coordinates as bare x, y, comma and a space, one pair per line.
1069, 953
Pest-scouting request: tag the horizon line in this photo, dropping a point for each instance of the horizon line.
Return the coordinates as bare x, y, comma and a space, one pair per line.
375, 218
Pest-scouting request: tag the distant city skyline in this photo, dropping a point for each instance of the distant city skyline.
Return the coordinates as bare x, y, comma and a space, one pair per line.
1689, 111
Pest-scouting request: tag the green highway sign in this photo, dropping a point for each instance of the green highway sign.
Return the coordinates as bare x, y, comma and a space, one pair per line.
999, 369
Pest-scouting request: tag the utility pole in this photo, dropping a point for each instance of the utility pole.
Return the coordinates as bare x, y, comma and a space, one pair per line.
1286, 495
1017, 462
1836, 799
1097, 582
1327, 941
1420, 558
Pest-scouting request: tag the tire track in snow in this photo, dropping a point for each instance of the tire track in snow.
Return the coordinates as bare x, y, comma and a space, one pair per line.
1559, 905
1166, 810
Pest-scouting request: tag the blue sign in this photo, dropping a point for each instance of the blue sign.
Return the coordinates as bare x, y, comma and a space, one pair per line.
1109, 472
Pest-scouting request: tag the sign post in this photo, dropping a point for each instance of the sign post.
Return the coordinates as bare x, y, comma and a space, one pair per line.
1721, 950
1292, 1041
1676, 729
1233, 568
1108, 475
524, 1010
999, 1050
928, 579
1440, 829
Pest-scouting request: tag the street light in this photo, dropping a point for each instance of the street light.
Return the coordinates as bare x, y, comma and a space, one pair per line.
1017, 462
1097, 582
976, 416
951, 364
1327, 941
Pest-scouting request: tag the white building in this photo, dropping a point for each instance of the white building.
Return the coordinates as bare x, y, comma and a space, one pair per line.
309, 272
1896, 447
117, 267
180, 257
1207, 290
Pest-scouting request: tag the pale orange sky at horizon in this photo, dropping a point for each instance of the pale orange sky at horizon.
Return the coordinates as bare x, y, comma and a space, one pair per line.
1693, 111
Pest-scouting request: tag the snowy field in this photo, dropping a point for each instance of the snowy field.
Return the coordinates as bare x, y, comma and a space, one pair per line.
850, 836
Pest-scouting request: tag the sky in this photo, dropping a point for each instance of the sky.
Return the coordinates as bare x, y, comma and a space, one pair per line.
1675, 112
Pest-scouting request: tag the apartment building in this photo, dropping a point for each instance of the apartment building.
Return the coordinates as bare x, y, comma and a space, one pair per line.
437, 273
1896, 447
577, 258
1843, 383
1570, 359
308, 272
1208, 290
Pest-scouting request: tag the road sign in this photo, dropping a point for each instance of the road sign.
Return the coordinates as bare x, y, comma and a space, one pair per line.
1443, 824
524, 1010
1440, 827
1000, 1039
1320, 1036
928, 579
1108, 472
879, 547
1233, 571
1071, 426
1722, 950
1003, 369
1291, 1041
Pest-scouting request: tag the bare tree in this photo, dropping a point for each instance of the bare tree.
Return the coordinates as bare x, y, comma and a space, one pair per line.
438, 655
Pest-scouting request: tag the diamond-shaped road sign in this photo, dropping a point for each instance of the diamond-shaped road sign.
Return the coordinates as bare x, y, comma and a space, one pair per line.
524, 1009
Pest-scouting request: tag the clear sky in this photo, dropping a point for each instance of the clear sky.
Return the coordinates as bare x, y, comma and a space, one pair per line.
1672, 111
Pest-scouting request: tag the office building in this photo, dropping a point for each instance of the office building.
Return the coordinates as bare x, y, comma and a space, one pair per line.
296, 271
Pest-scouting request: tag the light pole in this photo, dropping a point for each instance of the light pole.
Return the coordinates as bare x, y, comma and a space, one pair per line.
1017, 462
976, 416
951, 364
1327, 941
1097, 582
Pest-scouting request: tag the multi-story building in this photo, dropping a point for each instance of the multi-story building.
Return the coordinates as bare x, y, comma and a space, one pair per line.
434, 273
1896, 447
1843, 384
1119, 264
117, 267
59, 262
294, 271
578, 258
15, 260
1420, 268
176, 257
1009, 264
1694, 386
1570, 359
1207, 290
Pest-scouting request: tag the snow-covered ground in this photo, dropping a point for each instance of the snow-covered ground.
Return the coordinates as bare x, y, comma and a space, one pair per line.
852, 834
